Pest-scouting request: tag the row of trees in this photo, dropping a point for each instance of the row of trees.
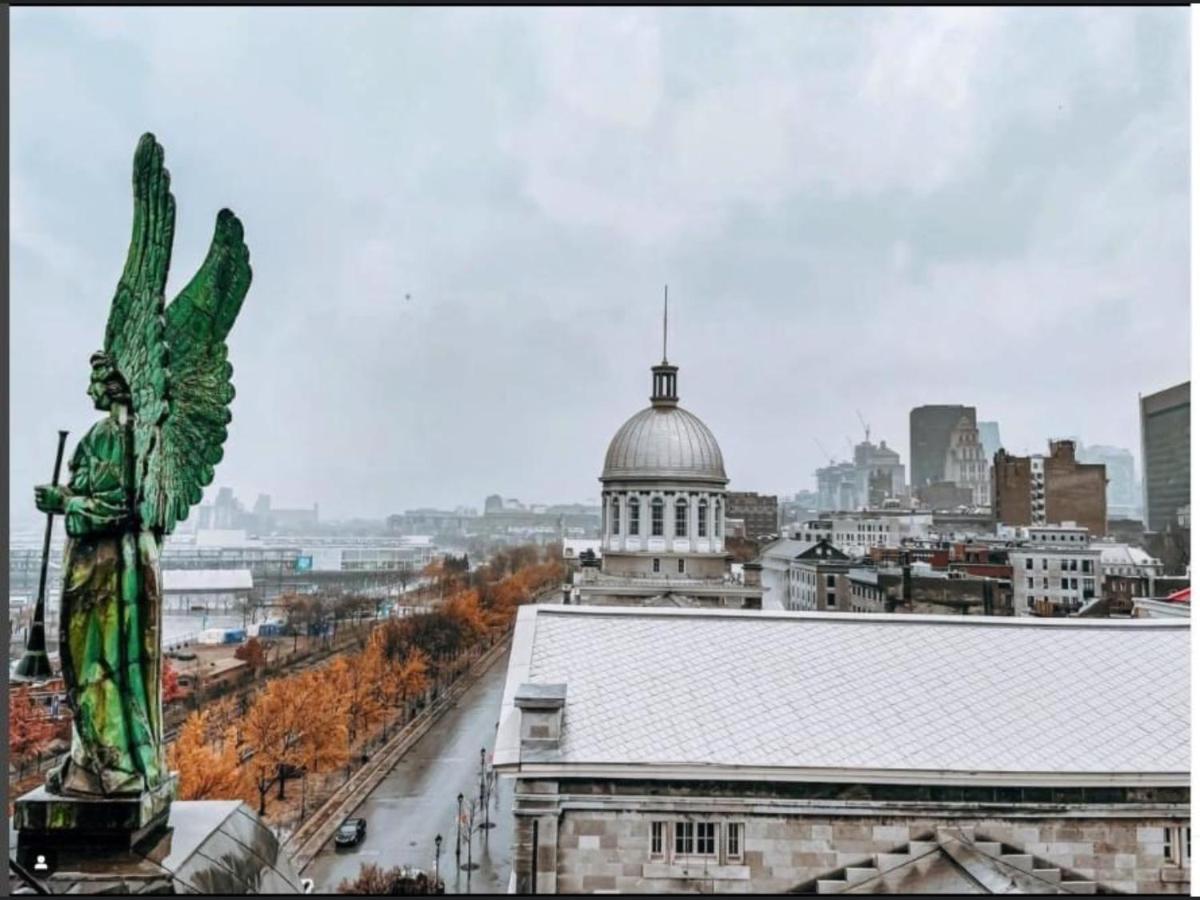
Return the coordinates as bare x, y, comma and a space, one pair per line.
307, 723
296, 725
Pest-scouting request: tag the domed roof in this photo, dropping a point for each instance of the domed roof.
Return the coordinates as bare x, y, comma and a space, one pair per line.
664, 441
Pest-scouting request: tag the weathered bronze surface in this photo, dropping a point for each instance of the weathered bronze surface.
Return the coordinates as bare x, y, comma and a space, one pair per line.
164, 382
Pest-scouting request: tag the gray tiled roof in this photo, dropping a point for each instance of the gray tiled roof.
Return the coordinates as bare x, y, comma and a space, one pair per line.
784, 690
664, 442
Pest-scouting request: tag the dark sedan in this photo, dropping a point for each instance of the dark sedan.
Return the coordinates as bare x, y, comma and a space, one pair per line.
350, 832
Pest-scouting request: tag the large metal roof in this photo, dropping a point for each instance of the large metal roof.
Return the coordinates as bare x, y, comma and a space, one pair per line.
691, 693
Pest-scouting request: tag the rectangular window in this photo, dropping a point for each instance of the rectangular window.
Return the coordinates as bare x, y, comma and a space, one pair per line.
634, 518
681, 517
1177, 846
1029, 562
733, 842
702, 524
681, 567
830, 600
1074, 565
1045, 564
706, 838
829, 581
1087, 565
1074, 584
656, 519
685, 838
1065, 583
1030, 584
658, 833
656, 564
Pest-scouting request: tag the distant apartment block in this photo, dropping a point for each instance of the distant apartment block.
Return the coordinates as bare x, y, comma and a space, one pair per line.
759, 512
1040, 490
1166, 454
1054, 579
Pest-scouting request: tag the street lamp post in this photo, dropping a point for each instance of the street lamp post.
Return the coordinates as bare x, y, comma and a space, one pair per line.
458, 842
437, 857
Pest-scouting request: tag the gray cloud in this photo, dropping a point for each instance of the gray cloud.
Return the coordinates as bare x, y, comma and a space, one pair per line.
854, 210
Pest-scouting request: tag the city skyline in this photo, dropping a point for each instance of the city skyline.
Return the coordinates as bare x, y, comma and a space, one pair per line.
467, 277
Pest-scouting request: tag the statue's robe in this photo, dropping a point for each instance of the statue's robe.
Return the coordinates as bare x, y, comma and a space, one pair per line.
109, 626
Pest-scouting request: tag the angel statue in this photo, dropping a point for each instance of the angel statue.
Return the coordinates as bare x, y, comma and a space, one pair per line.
164, 382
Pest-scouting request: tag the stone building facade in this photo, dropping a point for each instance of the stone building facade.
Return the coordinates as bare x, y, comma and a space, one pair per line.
630, 838
882, 741
759, 512
1040, 490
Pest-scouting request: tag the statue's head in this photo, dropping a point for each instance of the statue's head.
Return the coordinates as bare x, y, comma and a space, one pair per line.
107, 386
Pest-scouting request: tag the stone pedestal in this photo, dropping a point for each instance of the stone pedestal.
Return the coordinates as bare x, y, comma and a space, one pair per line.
41, 816
213, 847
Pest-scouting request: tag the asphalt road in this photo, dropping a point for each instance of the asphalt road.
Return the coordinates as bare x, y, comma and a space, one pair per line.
417, 801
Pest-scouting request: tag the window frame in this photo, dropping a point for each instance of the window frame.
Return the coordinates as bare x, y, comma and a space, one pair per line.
635, 516
681, 506
656, 517
659, 826
737, 828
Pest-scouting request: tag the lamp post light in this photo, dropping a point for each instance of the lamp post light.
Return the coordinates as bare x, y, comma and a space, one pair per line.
437, 856
458, 842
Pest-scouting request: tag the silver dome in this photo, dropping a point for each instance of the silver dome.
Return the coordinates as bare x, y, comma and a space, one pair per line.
664, 441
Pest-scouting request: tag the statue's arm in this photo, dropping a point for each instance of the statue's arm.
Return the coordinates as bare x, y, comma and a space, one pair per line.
52, 498
96, 502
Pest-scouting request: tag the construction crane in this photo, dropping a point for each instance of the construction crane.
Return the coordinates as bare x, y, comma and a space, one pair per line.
866, 427
821, 447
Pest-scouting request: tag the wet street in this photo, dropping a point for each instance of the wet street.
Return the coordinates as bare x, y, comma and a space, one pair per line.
417, 801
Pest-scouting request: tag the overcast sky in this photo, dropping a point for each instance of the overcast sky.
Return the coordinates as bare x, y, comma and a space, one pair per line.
855, 209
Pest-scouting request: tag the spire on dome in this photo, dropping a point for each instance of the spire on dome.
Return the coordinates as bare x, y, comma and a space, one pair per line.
663, 391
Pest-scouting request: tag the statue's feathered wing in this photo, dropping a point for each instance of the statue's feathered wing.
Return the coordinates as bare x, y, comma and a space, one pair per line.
136, 333
184, 406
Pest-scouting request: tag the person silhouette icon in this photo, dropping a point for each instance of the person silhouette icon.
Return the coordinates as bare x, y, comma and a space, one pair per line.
39, 864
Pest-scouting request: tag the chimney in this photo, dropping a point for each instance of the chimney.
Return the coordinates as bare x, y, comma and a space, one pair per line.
541, 708
752, 573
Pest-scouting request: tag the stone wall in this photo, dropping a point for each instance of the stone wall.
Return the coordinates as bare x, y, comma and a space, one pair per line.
608, 849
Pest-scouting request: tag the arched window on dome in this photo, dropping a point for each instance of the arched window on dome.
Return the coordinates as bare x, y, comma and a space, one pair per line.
681, 517
702, 525
656, 517
615, 516
635, 525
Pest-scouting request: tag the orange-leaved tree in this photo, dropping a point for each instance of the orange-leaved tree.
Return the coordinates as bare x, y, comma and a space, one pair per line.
205, 772
29, 729
463, 606
324, 742
270, 732
355, 680
170, 682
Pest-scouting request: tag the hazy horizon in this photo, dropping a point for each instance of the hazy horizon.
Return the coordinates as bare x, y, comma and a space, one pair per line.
461, 220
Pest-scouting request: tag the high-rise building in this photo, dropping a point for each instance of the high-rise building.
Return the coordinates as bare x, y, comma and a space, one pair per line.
929, 429
878, 474
1053, 489
966, 465
1166, 454
1124, 495
989, 437
836, 487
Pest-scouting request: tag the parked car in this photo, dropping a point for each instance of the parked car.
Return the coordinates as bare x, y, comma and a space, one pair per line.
350, 832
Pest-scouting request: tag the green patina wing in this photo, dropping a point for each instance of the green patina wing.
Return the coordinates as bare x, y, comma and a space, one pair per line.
201, 389
135, 336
